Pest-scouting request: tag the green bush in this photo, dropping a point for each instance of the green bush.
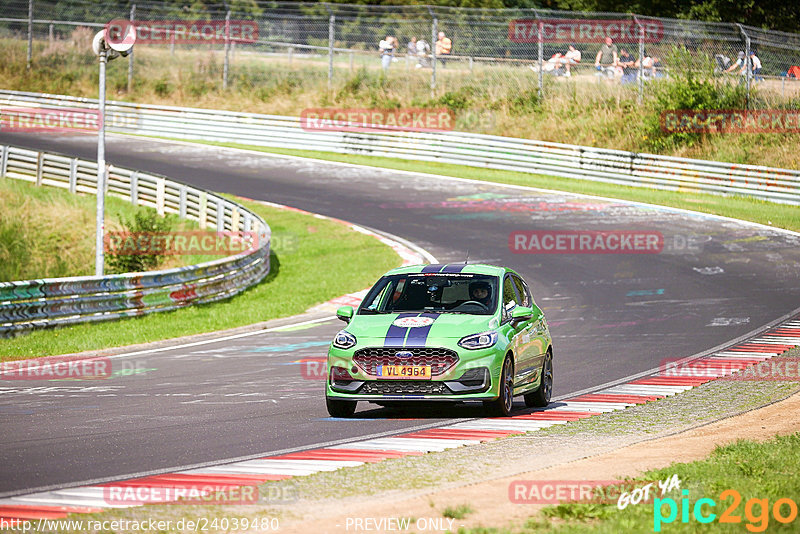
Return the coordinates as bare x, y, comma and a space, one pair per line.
688, 92
143, 222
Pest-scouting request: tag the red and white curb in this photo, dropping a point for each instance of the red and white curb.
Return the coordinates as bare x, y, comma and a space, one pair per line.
91, 499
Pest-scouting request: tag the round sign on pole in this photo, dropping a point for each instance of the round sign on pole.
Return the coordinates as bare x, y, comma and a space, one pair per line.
120, 35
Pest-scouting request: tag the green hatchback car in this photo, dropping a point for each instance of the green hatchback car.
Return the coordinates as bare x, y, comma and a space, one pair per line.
444, 332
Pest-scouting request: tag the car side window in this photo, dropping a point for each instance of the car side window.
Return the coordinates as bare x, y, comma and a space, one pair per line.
522, 291
509, 297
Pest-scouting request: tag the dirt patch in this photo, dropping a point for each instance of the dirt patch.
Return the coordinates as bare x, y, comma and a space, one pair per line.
489, 499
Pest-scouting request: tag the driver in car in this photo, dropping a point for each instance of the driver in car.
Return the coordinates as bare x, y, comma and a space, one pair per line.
481, 291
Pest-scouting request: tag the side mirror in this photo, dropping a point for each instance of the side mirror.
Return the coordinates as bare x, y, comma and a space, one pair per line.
521, 313
345, 313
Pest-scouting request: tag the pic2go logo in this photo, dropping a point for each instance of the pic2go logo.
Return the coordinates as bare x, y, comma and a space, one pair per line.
756, 511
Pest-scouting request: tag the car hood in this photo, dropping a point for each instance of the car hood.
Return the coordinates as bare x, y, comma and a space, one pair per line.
416, 328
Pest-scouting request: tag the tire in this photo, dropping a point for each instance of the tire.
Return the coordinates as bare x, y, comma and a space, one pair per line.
501, 407
340, 408
541, 397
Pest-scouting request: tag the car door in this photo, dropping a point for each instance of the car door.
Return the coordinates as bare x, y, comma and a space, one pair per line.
519, 335
536, 329
529, 351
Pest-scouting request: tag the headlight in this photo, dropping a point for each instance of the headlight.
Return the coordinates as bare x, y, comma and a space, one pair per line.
478, 341
344, 340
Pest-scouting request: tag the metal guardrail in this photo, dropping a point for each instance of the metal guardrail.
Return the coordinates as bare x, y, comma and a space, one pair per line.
31, 304
476, 150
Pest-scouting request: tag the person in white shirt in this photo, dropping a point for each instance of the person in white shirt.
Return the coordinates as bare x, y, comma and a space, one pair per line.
572, 57
756, 66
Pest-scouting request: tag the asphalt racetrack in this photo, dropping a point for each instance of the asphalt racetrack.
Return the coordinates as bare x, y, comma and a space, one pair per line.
611, 315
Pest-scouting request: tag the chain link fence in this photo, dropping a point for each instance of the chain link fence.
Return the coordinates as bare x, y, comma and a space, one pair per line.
517, 50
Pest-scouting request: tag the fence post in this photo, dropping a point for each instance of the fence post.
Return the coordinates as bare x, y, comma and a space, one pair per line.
50, 36
748, 66
130, 56
290, 52
540, 52
227, 49
30, 33
351, 61
182, 202
434, 33
331, 36
470, 64
641, 59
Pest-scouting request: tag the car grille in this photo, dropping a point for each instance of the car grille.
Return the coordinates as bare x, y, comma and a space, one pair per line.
440, 360
405, 387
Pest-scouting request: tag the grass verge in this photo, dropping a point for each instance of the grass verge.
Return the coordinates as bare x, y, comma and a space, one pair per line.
46, 232
303, 243
748, 209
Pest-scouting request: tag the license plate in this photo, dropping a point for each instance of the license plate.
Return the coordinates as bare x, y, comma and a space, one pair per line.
417, 372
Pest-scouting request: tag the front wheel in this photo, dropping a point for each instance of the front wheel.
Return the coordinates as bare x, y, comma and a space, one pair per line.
541, 397
340, 408
501, 407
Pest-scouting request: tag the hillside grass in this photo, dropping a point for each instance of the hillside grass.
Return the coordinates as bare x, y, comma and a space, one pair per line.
498, 100
302, 244
46, 232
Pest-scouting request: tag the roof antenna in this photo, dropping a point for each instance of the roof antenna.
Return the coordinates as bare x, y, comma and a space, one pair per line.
467, 258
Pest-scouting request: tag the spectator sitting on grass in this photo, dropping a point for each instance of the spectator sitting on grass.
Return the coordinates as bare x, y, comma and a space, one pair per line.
606, 58
629, 66
572, 57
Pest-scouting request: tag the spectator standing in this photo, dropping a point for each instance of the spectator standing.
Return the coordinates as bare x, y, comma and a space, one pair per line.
443, 47
629, 66
423, 54
386, 47
411, 54
755, 64
607, 57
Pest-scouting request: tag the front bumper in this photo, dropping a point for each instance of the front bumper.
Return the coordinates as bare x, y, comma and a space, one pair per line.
473, 377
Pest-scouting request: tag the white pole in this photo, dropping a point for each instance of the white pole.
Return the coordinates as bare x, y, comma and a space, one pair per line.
101, 170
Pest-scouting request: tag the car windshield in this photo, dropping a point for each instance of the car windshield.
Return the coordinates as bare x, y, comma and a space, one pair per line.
434, 293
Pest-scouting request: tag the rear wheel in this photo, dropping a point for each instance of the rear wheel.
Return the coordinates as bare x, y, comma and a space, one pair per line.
541, 397
340, 408
501, 407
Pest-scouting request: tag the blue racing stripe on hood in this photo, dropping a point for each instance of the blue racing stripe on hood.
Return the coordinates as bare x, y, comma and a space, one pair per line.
418, 336
396, 335
433, 268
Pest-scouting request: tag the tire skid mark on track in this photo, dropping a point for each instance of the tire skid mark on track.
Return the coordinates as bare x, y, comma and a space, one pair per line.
735, 358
